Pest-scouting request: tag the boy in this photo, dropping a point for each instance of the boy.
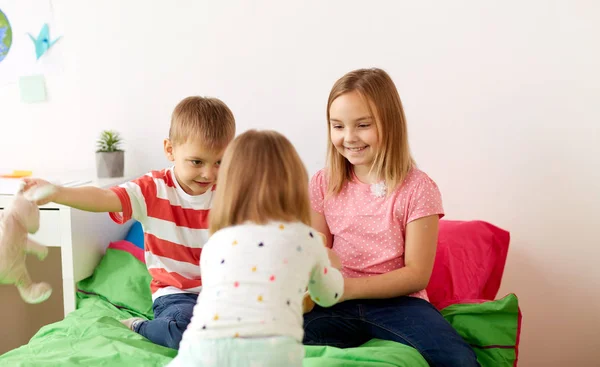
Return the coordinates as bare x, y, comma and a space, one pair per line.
172, 205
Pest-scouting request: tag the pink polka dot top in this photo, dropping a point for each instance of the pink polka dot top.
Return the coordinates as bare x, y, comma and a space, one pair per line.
369, 228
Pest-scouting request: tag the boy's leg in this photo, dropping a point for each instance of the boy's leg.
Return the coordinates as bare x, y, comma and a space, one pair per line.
338, 326
172, 314
415, 322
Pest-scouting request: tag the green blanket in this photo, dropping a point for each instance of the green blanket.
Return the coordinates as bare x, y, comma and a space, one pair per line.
93, 336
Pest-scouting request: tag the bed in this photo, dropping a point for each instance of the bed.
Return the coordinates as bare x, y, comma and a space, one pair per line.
466, 277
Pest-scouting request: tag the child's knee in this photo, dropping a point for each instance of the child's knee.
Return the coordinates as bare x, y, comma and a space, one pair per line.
175, 336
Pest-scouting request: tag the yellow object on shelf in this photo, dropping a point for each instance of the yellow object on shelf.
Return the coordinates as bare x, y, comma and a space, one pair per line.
17, 174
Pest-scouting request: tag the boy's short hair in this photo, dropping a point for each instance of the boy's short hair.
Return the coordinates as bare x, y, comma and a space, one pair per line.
205, 118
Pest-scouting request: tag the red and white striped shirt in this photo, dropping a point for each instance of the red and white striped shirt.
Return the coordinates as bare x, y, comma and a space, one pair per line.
175, 229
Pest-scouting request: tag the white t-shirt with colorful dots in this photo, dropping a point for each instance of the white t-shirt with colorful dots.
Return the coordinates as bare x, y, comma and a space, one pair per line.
254, 278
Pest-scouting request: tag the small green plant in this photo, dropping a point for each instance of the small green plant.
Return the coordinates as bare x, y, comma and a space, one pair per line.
109, 141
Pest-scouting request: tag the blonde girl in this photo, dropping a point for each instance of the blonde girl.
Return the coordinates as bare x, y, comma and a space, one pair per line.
380, 215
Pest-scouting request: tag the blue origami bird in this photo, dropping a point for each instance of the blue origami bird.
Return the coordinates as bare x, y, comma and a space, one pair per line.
42, 43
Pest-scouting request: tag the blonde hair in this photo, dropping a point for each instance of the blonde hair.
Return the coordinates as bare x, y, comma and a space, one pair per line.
261, 179
205, 118
393, 160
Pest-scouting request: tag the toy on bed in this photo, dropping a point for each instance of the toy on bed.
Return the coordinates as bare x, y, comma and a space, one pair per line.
307, 303
17, 221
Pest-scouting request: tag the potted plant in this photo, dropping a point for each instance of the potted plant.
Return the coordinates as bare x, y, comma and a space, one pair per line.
110, 159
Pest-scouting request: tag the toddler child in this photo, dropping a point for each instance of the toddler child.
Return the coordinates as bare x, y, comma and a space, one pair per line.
260, 259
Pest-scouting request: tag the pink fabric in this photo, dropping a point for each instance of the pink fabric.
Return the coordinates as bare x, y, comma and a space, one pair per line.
469, 262
128, 247
368, 230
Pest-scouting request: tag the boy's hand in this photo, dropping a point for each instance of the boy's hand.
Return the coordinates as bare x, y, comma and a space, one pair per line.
32, 182
86, 198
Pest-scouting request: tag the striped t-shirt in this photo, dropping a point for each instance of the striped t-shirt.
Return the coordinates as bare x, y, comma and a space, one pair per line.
175, 229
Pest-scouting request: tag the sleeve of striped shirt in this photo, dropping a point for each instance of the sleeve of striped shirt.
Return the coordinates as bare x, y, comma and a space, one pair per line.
133, 199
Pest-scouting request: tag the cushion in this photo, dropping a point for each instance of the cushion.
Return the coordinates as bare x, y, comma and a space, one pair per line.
492, 328
136, 235
122, 279
469, 263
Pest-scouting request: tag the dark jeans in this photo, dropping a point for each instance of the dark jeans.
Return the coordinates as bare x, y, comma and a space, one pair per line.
407, 320
172, 314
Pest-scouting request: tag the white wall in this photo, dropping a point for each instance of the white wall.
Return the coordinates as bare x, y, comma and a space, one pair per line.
501, 98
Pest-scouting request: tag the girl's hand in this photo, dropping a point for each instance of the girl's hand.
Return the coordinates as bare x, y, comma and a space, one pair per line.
348, 295
334, 259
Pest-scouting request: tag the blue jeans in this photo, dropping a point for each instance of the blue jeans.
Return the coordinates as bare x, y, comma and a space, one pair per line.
408, 320
172, 314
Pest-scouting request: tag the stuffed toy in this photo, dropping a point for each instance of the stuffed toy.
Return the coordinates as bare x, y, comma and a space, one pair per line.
307, 303
17, 221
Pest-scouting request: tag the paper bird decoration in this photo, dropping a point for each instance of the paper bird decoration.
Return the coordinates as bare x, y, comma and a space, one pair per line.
42, 43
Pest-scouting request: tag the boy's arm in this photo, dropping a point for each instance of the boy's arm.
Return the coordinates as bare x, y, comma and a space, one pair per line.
88, 198
91, 199
326, 286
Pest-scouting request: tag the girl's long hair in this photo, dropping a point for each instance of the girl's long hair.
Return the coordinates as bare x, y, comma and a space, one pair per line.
261, 179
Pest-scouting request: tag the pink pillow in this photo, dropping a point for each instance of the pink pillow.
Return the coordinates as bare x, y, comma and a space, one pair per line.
130, 247
469, 262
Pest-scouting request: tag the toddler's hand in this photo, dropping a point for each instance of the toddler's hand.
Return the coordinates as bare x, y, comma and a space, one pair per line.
307, 304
